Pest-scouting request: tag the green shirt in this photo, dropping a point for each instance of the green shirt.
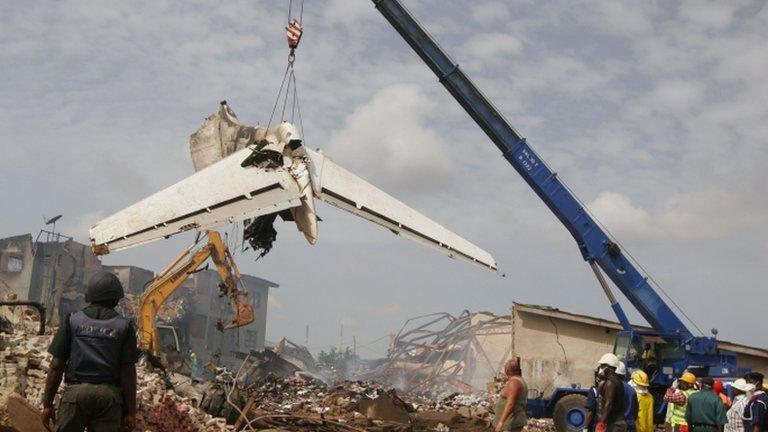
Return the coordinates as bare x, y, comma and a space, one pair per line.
705, 408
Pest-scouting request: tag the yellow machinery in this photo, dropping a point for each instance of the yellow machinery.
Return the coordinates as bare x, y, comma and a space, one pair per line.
174, 275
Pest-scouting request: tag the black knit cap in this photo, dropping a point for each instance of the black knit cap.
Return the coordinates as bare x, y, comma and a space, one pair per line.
104, 287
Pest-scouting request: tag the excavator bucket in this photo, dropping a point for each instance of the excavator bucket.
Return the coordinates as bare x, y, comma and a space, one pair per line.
243, 310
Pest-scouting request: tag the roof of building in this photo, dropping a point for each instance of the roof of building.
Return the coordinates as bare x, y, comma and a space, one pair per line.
550, 311
261, 281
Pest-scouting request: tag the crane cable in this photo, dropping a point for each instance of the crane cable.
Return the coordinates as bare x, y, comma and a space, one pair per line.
293, 32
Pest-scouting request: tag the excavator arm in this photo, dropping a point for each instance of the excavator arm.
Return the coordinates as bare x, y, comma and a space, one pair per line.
242, 310
174, 275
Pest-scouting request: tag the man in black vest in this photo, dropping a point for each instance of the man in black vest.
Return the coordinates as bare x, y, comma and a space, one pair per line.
95, 350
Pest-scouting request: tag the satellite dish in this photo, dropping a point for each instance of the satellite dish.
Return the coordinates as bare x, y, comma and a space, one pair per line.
53, 220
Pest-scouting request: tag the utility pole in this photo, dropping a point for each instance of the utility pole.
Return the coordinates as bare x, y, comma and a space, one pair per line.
306, 336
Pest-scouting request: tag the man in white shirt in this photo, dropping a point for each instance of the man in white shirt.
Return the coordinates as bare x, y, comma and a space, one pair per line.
741, 392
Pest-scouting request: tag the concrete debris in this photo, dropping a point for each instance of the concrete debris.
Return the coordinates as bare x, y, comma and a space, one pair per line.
22, 416
23, 366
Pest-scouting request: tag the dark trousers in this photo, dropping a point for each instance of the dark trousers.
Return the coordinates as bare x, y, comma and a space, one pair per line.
96, 406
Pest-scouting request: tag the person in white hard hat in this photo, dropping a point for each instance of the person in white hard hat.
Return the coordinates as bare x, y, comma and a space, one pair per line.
613, 403
742, 391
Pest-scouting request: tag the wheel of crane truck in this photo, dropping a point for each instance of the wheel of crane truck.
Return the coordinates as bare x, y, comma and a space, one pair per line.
569, 413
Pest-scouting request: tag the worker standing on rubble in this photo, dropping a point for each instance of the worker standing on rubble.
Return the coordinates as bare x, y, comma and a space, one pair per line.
612, 398
95, 350
705, 412
677, 398
509, 413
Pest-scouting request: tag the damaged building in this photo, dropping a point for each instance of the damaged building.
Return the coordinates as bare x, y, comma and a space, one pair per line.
204, 339
53, 270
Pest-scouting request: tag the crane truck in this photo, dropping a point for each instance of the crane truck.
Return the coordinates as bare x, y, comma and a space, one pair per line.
669, 341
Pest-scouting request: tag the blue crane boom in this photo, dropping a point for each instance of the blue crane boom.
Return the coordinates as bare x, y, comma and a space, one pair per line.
596, 246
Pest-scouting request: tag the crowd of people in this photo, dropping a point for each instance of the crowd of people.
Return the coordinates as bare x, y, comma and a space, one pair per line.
618, 403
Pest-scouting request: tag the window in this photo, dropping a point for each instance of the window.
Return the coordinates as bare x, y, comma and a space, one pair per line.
12, 262
251, 338
256, 300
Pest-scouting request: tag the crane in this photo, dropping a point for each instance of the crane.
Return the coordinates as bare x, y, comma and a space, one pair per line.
674, 347
174, 275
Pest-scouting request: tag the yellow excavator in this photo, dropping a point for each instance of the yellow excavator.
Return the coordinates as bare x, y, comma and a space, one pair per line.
174, 275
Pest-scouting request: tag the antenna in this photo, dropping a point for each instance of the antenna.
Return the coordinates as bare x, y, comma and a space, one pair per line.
50, 234
52, 220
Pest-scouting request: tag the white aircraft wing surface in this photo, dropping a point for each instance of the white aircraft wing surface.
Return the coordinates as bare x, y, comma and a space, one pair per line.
220, 194
341, 188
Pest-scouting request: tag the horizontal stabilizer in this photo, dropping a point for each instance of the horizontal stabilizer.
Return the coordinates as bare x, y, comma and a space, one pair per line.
220, 194
345, 190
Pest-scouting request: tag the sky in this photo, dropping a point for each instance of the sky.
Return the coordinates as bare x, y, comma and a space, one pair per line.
653, 113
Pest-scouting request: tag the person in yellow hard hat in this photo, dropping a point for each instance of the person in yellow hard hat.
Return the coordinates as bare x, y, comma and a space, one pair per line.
677, 397
640, 383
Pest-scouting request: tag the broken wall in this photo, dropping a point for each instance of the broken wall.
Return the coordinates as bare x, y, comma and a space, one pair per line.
556, 352
496, 346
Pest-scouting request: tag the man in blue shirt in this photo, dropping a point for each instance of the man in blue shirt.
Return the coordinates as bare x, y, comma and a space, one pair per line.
756, 411
95, 352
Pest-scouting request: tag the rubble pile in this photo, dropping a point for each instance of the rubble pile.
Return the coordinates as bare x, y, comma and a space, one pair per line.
301, 403
24, 362
265, 394
161, 410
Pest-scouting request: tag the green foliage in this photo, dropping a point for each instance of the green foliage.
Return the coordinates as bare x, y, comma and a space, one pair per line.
338, 361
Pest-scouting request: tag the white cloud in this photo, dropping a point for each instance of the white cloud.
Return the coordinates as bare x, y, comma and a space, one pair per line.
489, 47
679, 96
619, 215
710, 15
387, 139
348, 12
487, 13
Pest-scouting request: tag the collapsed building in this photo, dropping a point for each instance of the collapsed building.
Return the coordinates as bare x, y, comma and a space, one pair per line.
53, 270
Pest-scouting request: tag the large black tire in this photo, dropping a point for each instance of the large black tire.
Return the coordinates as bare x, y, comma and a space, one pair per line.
566, 410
